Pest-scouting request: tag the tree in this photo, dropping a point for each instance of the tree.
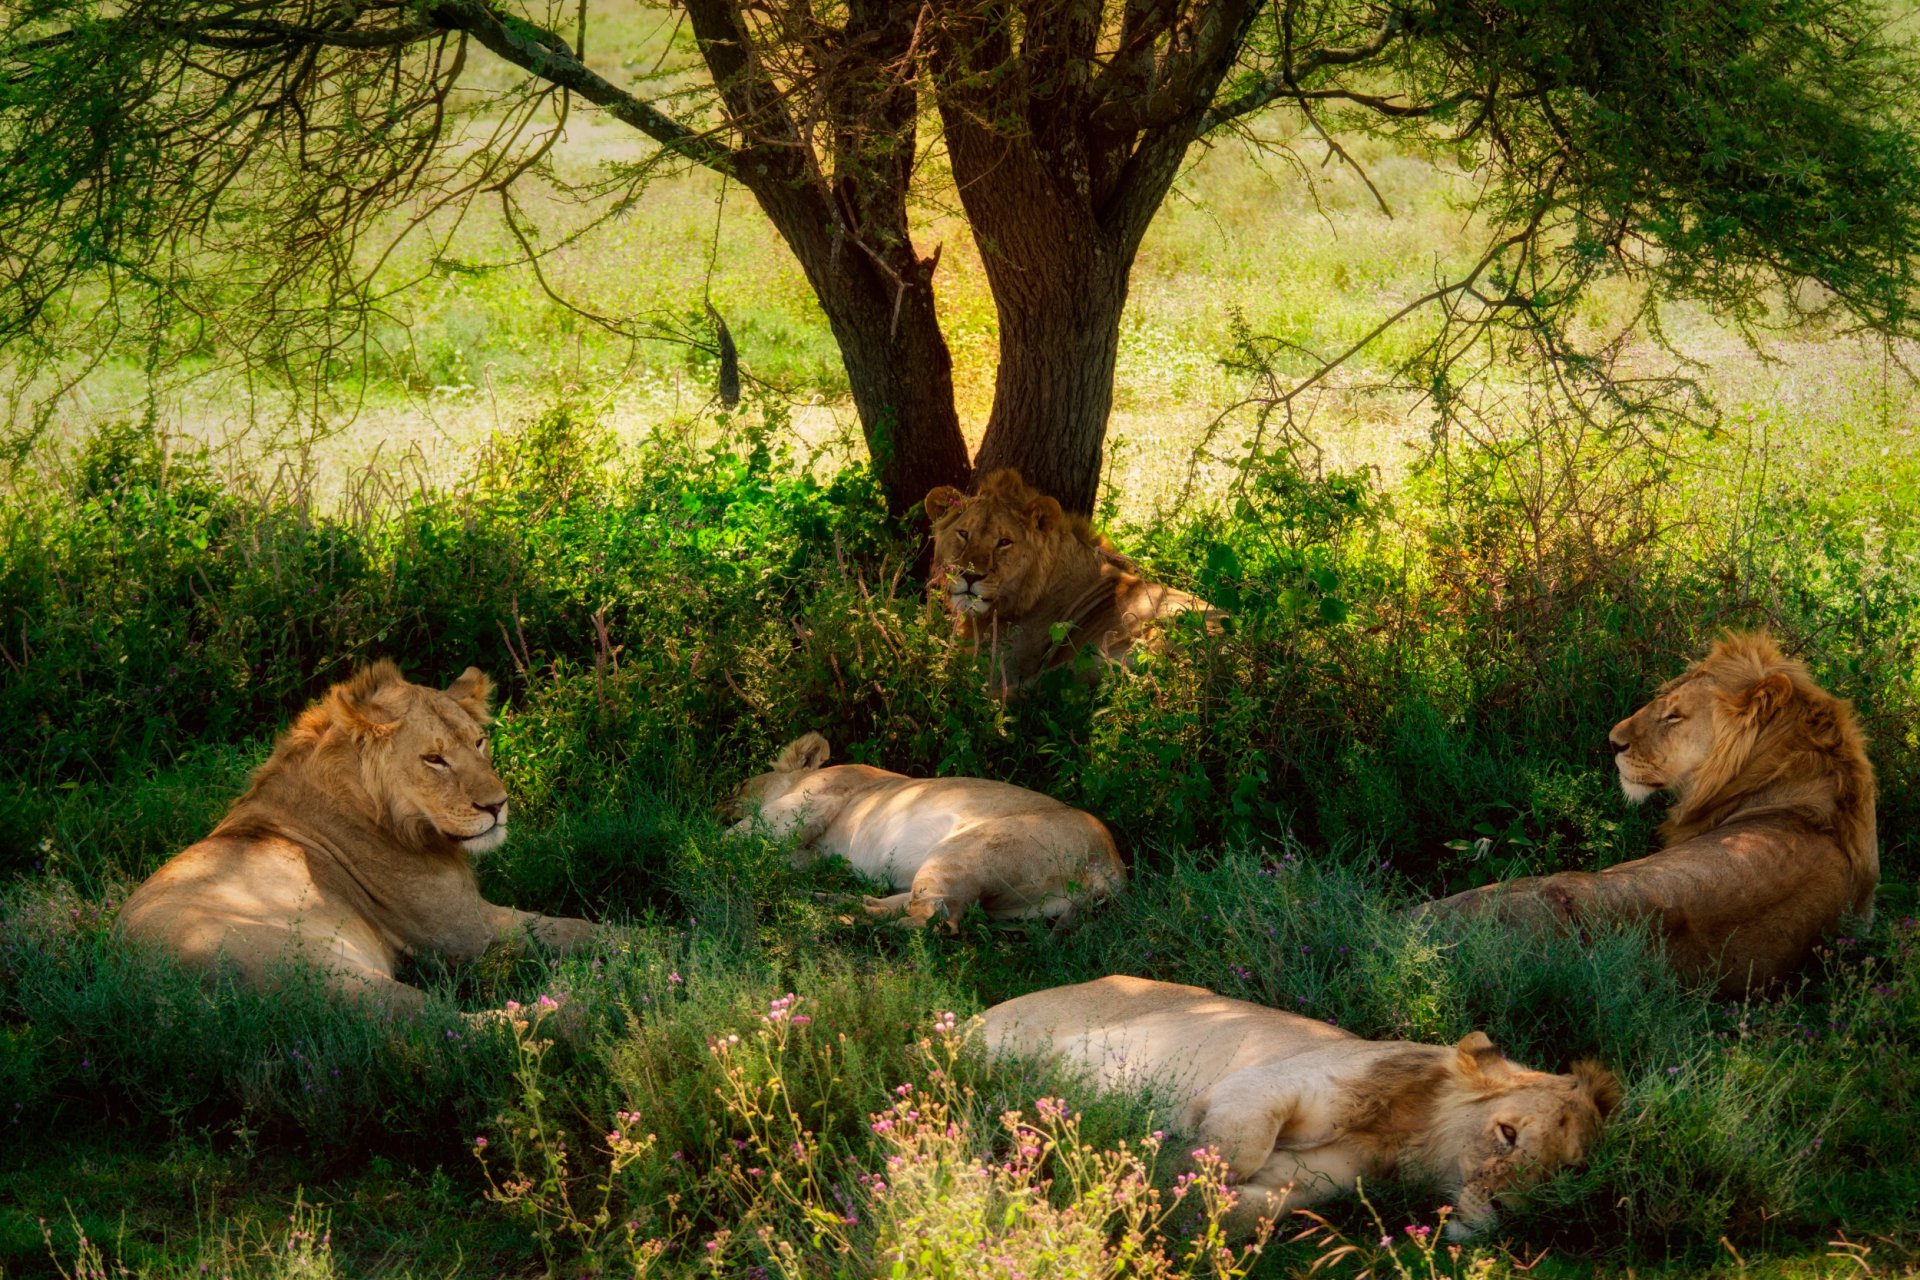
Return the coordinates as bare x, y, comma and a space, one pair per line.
1731, 150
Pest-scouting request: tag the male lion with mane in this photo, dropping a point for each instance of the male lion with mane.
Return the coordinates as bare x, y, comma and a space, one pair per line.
350, 848
1771, 838
1034, 585
1299, 1110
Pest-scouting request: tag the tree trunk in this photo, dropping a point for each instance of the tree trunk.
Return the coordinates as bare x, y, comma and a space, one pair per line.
847, 224
1053, 391
899, 369
883, 319
1059, 216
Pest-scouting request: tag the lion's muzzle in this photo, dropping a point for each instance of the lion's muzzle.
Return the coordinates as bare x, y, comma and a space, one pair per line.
492, 837
966, 591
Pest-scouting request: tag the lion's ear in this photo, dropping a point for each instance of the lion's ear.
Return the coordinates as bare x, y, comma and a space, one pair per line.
1764, 700
1045, 515
808, 751
1475, 1055
1599, 1084
363, 704
474, 692
943, 501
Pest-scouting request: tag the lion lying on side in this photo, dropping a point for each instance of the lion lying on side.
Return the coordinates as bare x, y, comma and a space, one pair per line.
945, 843
1034, 585
350, 848
1771, 838
1298, 1110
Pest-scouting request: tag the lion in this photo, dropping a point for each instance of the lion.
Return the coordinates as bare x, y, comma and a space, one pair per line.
1035, 585
1299, 1111
351, 848
1771, 838
943, 843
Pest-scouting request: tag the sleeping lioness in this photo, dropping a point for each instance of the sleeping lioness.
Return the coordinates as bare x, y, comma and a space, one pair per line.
1298, 1109
944, 843
351, 848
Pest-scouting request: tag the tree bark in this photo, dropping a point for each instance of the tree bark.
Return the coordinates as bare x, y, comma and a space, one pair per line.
898, 368
845, 218
1060, 168
1058, 264
1059, 339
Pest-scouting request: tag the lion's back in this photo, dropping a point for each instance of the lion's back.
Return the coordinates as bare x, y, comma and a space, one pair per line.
1124, 1027
215, 896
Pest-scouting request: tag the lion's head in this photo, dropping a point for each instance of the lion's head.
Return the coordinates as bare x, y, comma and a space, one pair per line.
999, 551
797, 761
1501, 1128
413, 759
1746, 732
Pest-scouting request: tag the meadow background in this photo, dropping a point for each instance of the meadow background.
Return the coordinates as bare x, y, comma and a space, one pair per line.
1433, 632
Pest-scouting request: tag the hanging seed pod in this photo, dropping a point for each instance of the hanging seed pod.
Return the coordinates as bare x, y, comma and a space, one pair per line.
729, 361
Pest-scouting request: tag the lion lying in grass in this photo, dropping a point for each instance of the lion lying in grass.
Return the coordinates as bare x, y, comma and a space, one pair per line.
944, 843
350, 849
1771, 838
1034, 586
1298, 1110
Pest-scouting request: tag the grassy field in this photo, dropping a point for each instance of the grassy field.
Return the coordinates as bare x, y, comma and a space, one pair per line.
1425, 662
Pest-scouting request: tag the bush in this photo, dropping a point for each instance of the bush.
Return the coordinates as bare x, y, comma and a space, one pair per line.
1410, 697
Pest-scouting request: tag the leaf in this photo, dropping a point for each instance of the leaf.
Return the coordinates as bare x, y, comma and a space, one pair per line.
1333, 609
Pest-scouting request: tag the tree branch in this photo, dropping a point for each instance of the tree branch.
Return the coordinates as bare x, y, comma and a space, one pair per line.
549, 57
1285, 81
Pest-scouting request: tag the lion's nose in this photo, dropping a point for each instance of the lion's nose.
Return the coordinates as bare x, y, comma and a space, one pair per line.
491, 810
1616, 745
971, 576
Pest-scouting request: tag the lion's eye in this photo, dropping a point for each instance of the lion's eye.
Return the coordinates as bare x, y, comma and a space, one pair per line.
1672, 717
1005, 543
962, 533
480, 745
1509, 1134
437, 762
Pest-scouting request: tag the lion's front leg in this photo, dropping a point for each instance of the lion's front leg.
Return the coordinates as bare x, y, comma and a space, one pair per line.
563, 935
371, 989
1557, 900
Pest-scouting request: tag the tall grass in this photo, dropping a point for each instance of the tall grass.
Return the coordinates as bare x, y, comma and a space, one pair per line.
1410, 699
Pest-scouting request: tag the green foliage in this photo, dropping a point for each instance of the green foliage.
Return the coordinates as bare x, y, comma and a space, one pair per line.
664, 619
1768, 1122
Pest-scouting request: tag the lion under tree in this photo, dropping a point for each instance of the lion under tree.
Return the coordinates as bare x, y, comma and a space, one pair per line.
238, 167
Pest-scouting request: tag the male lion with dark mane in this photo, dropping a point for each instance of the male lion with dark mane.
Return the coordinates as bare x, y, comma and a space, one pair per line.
350, 848
1299, 1110
1034, 585
1771, 838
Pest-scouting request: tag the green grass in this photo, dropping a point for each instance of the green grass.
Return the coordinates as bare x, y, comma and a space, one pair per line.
1408, 702
1423, 665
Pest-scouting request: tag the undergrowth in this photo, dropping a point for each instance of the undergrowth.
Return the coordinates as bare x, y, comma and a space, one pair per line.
1412, 697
